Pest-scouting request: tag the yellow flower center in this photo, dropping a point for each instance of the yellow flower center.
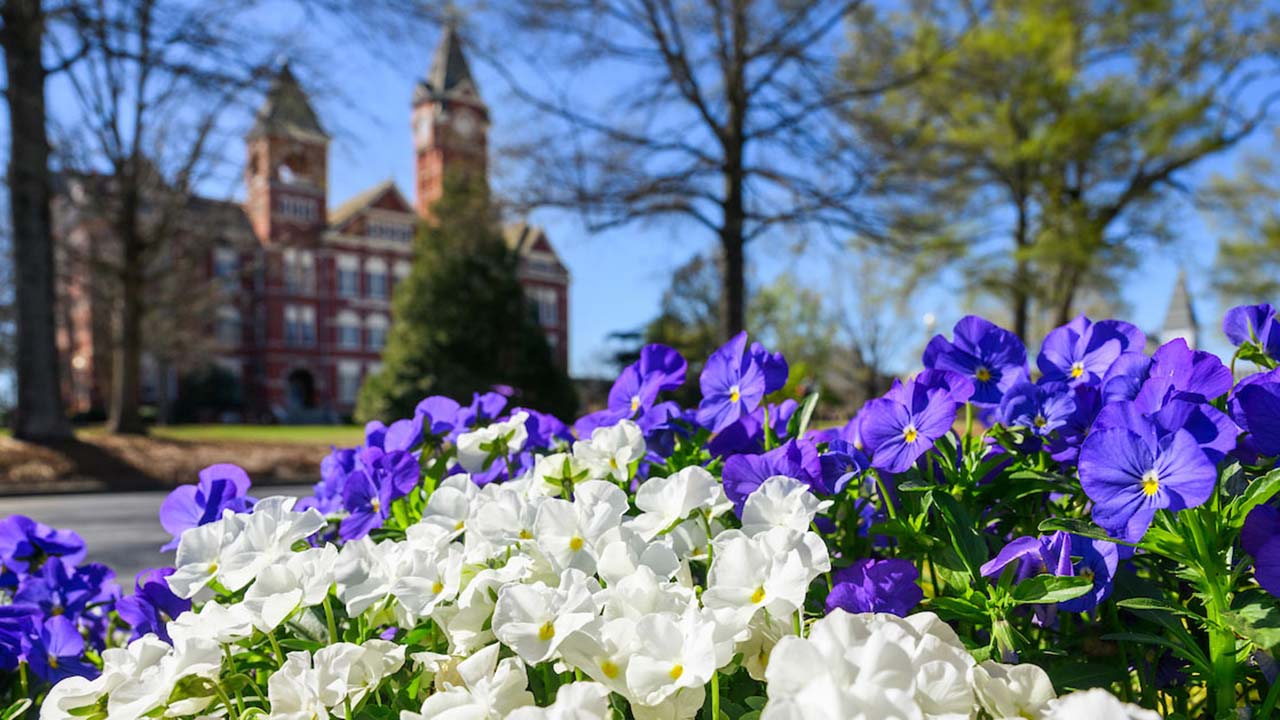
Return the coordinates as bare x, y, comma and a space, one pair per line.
910, 434
1077, 369
376, 504
461, 524
1087, 573
213, 568
982, 374
526, 535
609, 669
613, 463
635, 403
437, 587
575, 543
547, 631
735, 394
676, 671
758, 595
53, 661
1040, 421
1150, 483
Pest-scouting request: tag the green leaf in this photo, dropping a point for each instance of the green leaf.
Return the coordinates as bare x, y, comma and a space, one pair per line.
1151, 604
1259, 491
958, 609
966, 541
799, 422
1070, 676
1077, 526
1257, 621
1050, 589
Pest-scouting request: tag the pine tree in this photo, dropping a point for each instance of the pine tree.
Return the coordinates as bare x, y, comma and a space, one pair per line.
461, 323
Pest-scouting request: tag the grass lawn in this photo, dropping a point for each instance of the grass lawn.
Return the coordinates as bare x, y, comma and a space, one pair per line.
303, 434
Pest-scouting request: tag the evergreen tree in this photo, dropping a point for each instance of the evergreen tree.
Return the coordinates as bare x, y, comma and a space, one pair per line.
461, 323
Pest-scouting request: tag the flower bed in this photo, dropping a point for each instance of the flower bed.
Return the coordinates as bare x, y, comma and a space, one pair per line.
1100, 542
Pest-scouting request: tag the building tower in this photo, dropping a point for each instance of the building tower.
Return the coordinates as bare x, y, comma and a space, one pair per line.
1180, 318
286, 171
450, 124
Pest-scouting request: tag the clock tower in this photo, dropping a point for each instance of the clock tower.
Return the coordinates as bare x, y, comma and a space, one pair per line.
450, 124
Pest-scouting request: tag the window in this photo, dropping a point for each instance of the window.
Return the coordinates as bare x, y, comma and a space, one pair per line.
297, 208
375, 278
226, 265
391, 231
545, 304
348, 330
348, 381
348, 276
299, 271
228, 329
376, 326
299, 325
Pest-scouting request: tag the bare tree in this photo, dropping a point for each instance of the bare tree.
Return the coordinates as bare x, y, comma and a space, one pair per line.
720, 112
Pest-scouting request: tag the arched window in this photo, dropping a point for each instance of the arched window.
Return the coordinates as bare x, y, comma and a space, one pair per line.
376, 327
228, 330
348, 276
375, 278
348, 330
299, 271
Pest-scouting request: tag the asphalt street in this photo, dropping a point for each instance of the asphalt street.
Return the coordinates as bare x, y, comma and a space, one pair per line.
121, 529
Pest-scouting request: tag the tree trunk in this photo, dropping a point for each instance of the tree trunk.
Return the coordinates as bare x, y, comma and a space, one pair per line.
1021, 296
125, 418
733, 300
40, 413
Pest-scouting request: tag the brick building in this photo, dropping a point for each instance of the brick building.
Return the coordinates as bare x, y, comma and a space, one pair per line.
308, 288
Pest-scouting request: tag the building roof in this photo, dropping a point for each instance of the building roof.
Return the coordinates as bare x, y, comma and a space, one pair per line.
526, 240
365, 199
449, 66
287, 110
1180, 315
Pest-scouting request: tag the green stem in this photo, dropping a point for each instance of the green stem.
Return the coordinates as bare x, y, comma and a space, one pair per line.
1222, 641
328, 618
798, 623
968, 419
1269, 704
715, 695
22, 679
275, 647
226, 701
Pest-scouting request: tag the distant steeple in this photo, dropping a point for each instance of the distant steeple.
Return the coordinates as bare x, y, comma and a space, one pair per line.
1180, 318
449, 73
286, 110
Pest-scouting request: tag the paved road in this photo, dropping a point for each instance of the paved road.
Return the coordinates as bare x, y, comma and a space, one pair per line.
121, 529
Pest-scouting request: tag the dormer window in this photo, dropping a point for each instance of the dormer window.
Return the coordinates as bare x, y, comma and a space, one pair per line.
297, 208
397, 232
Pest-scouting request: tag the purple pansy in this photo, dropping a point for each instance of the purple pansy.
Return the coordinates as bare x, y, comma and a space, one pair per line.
1178, 371
659, 368
221, 487
1097, 560
841, 463
1260, 537
1033, 556
1212, 429
1082, 351
1131, 472
1125, 377
1041, 409
1253, 324
795, 459
440, 415
26, 543
1255, 406
16, 624
56, 651
882, 586
368, 500
992, 357
152, 604
735, 381
544, 429
484, 408
904, 424
327, 494
60, 588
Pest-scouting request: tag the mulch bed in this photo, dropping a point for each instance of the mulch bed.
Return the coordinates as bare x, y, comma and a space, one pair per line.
103, 463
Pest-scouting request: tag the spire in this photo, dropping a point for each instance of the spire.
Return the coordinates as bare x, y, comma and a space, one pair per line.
1181, 316
286, 110
449, 66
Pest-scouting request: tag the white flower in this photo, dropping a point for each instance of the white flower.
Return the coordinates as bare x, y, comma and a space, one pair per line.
673, 652
266, 536
426, 579
119, 665
568, 532
450, 504
552, 472
309, 686
201, 554
763, 634
683, 705
748, 576
602, 649
781, 501
666, 501
611, 450
301, 581
365, 573
533, 620
154, 677
498, 439
376, 660
1012, 691
575, 701
490, 690
223, 624
500, 517
644, 593
623, 552
468, 622
1095, 704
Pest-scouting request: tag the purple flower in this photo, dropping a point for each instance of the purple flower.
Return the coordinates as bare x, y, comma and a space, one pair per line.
1064, 445
887, 586
60, 588
1097, 561
746, 434
221, 487
484, 408
904, 424
840, 464
735, 381
1042, 409
1212, 430
1260, 537
1255, 406
25, 544
1255, 325
1034, 556
152, 604
659, 368
16, 624
544, 429
398, 469
1178, 371
1125, 377
327, 495
1130, 472
368, 500
56, 651
795, 459
375, 433
403, 434
440, 415
1082, 351
991, 356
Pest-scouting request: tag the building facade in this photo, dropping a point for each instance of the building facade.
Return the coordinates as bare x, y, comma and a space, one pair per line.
306, 289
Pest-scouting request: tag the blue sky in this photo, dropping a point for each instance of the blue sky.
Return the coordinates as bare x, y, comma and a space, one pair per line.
619, 276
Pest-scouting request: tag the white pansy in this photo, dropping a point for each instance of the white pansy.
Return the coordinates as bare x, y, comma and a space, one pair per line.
266, 536
365, 573
667, 500
568, 532
781, 501
622, 552
426, 579
603, 649
119, 665
645, 593
1012, 691
154, 677
673, 652
221, 623
763, 633
504, 438
682, 705
366, 669
303, 580
468, 622
533, 620
489, 690
500, 517
611, 450
308, 686
748, 576
575, 701
550, 474
450, 504
202, 554
1095, 704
